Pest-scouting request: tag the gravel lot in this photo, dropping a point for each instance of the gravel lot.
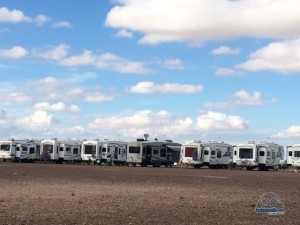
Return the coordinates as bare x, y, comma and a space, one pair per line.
79, 194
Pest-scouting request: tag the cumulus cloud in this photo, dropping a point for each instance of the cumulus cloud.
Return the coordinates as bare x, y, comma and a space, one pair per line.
280, 56
12, 16
175, 64
56, 107
224, 50
163, 122
293, 131
41, 20
47, 83
105, 61
167, 88
14, 52
124, 33
239, 98
202, 20
55, 53
38, 119
214, 121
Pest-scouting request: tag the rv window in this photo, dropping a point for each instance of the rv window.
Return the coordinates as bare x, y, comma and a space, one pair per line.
31, 150
227, 154
273, 155
206, 152
48, 148
90, 149
297, 154
246, 153
189, 151
24, 149
213, 152
290, 153
61, 149
5, 147
261, 153
103, 149
268, 153
18, 149
234, 152
219, 154
75, 151
134, 150
68, 149
163, 153
155, 151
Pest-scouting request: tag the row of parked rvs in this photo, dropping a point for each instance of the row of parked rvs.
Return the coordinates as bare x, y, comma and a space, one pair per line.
143, 152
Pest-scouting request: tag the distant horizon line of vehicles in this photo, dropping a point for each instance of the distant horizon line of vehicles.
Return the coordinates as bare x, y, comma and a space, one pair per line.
144, 152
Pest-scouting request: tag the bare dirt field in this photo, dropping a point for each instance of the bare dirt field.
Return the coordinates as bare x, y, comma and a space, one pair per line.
78, 194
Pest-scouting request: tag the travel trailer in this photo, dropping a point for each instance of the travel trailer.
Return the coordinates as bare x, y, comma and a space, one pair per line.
212, 154
192, 153
155, 153
91, 151
262, 155
113, 152
61, 151
8, 148
27, 152
293, 155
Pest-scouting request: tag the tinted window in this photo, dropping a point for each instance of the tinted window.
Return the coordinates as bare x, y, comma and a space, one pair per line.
246, 153
297, 153
290, 153
31, 150
134, 150
205, 152
213, 152
219, 154
90, 149
75, 151
163, 153
261, 153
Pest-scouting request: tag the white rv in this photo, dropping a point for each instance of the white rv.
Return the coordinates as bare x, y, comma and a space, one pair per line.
8, 149
28, 151
293, 155
113, 152
262, 155
155, 153
91, 151
60, 151
192, 154
213, 154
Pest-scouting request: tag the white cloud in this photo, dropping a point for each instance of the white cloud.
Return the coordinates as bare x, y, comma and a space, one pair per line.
244, 98
41, 20
105, 61
12, 16
56, 107
167, 88
239, 98
214, 121
62, 24
176, 64
201, 20
224, 50
47, 83
14, 52
136, 124
98, 97
38, 119
55, 53
124, 33
18, 97
293, 131
278, 56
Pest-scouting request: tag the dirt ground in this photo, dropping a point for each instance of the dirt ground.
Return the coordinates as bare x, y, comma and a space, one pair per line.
79, 194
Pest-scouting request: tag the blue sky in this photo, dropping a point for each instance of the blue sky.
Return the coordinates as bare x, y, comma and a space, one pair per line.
183, 70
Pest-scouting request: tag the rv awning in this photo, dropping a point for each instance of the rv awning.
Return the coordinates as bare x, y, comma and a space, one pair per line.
175, 148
